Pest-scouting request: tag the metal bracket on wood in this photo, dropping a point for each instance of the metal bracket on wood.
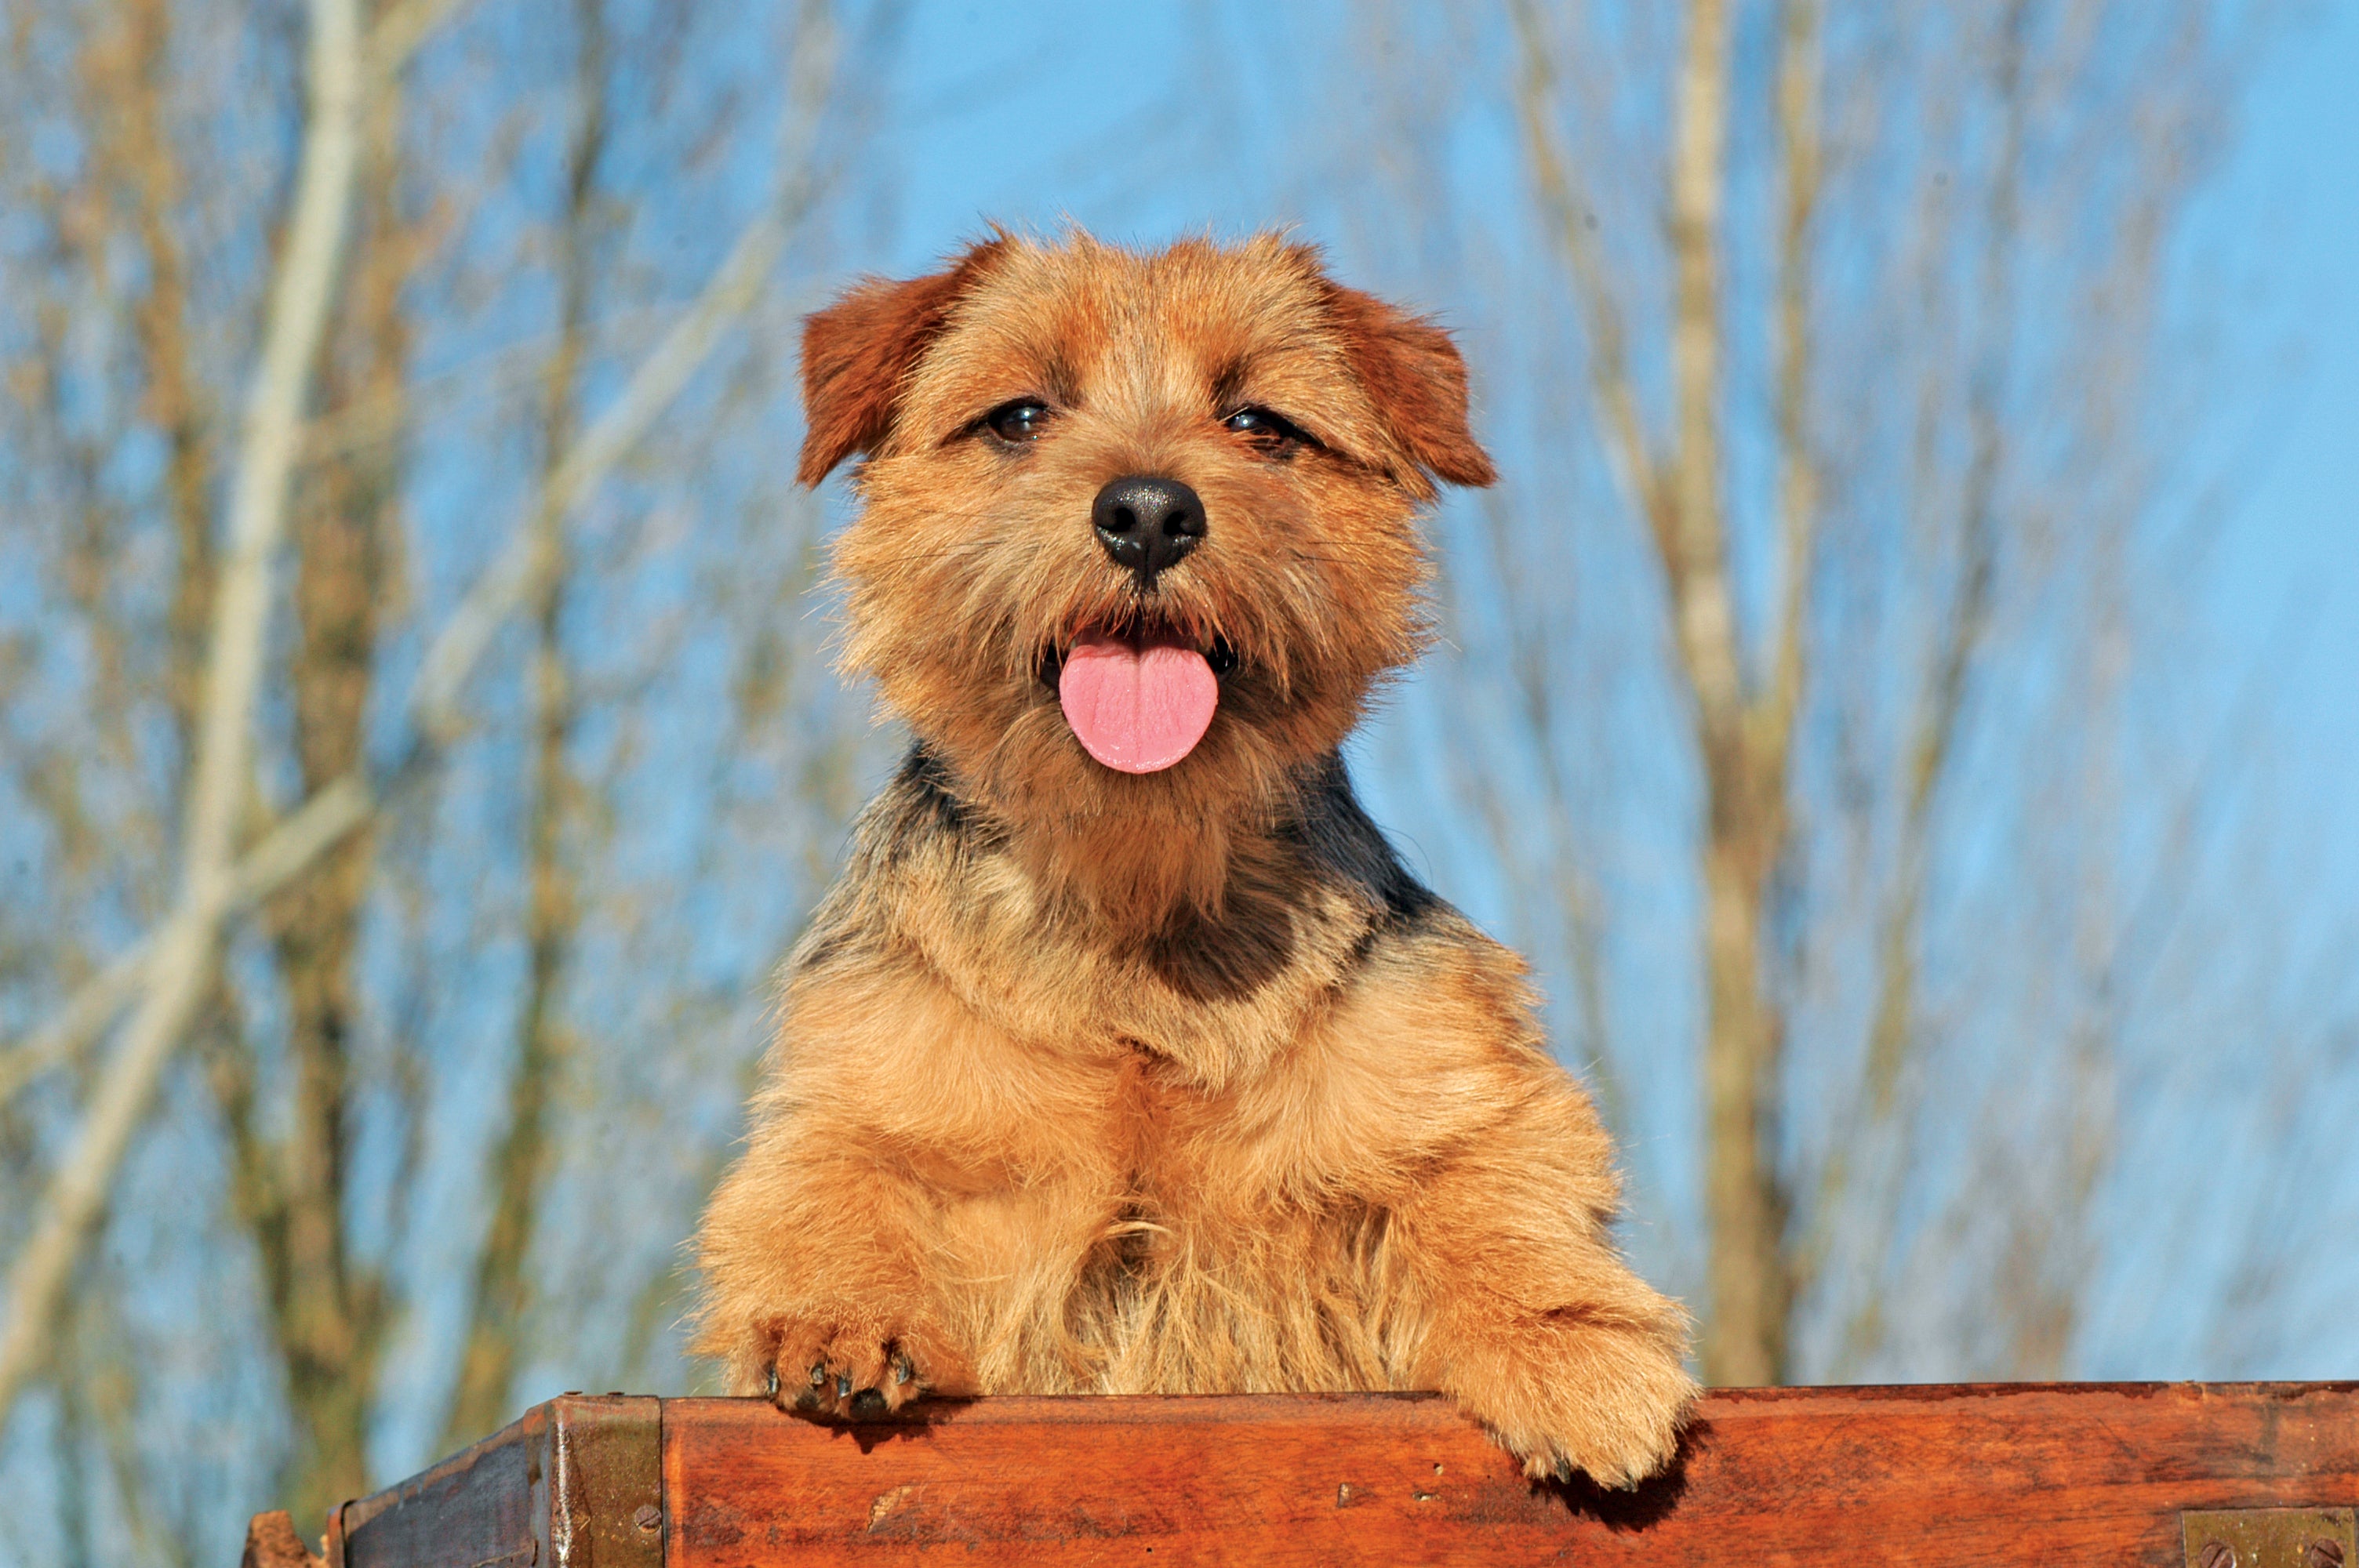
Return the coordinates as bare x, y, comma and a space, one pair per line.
2270, 1538
606, 1492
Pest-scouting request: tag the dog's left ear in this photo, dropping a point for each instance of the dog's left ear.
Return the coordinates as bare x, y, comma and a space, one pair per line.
1413, 376
859, 352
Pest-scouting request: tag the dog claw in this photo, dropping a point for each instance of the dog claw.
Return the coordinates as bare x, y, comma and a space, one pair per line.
844, 1385
902, 1371
818, 1374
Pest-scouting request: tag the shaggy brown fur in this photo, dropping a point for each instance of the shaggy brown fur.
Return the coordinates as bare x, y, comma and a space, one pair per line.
1175, 1082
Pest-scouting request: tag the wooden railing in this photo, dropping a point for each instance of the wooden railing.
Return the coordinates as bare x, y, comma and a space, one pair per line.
2224, 1476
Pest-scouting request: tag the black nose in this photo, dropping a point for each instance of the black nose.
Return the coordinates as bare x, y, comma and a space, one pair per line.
1147, 524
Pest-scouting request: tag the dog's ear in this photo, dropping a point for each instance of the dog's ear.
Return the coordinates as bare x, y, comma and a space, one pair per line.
1413, 376
858, 352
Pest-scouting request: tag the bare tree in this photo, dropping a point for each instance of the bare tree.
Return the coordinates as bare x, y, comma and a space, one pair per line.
321, 1097
1743, 727
181, 970
1906, 253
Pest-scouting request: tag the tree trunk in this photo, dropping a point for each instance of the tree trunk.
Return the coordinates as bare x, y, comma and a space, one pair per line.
520, 1169
1744, 830
326, 1307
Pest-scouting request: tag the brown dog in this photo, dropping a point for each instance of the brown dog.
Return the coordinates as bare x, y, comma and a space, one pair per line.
1126, 1057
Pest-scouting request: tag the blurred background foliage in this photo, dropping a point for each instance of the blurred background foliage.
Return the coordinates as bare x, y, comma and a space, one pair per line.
1900, 694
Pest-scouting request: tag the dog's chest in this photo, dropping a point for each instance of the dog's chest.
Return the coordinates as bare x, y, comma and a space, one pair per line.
1209, 1269
1165, 1137
1180, 1162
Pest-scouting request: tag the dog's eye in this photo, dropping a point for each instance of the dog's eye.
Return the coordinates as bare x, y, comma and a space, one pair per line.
1273, 433
1026, 419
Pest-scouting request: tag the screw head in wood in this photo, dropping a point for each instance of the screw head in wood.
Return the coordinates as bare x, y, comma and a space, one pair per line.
2217, 1555
2323, 1552
648, 1517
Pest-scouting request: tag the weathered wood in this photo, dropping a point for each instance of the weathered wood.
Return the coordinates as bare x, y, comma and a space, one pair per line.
576, 1483
1940, 1478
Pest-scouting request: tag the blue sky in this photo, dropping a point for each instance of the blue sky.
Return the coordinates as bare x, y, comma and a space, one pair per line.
2295, 183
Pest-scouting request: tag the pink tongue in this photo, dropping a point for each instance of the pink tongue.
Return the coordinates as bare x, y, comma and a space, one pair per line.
1138, 709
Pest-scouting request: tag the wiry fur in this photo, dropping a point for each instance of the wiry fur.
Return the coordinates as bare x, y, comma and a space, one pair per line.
1175, 1082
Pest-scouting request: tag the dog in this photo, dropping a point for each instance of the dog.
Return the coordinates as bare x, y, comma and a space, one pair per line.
1126, 1057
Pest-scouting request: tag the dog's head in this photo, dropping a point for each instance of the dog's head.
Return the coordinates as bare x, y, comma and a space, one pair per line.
1139, 532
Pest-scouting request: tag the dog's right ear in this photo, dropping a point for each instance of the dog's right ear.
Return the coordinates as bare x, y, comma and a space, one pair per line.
858, 352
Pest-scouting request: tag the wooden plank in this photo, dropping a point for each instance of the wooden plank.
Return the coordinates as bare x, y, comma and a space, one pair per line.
475, 1508
1940, 1477
575, 1483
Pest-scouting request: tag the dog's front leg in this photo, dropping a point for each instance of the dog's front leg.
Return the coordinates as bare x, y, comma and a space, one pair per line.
1535, 1324
814, 1284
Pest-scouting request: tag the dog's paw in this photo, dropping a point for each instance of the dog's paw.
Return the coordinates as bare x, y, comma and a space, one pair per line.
1607, 1402
851, 1363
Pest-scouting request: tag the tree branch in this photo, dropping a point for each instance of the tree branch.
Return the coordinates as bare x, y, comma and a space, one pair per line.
288, 850
1696, 562
398, 32
451, 659
1799, 150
